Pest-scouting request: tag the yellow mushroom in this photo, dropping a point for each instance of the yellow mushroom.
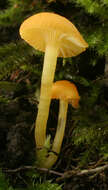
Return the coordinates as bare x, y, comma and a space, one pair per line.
57, 37
67, 93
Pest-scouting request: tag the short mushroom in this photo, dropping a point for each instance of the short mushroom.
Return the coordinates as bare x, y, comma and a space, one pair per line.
67, 93
57, 37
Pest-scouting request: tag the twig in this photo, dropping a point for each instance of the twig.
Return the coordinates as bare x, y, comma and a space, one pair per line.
74, 173
32, 167
92, 171
62, 176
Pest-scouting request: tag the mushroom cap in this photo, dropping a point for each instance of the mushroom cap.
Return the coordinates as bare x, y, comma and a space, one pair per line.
43, 28
65, 90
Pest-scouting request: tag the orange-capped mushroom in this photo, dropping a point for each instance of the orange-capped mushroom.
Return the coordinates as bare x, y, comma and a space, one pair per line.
66, 92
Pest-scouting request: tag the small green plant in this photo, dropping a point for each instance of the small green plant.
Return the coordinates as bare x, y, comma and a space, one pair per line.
4, 184
47, 186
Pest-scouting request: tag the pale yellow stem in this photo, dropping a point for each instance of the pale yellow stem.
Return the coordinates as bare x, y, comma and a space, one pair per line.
50, 161
60, 127
49, 67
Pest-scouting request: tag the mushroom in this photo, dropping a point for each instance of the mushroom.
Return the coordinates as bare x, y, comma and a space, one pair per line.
57, 37
66, 92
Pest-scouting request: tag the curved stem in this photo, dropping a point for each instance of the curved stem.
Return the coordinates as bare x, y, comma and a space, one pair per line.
50, 161
49, 67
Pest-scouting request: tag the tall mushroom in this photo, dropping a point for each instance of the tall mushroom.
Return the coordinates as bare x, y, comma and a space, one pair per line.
67, 93
57, 37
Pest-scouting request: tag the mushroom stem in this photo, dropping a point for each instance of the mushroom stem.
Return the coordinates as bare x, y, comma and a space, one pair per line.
49, 67
50, 161
60, 126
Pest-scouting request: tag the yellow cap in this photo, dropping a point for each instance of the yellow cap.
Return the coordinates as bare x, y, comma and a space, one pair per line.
65, 90
43, 28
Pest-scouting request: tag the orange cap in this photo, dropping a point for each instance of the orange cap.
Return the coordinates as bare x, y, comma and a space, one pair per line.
43, 28
65, 90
